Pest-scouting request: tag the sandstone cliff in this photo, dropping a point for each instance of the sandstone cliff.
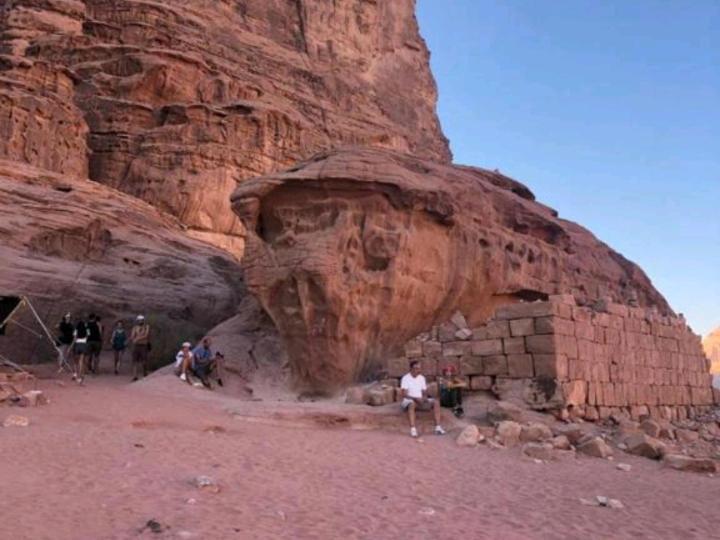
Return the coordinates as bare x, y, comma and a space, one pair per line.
354, 252
711, 344
177, 102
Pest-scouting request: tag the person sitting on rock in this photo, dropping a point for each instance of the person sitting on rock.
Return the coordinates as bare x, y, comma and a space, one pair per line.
414, 394
204, 363
183, 362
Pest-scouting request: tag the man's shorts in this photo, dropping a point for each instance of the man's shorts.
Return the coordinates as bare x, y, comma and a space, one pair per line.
94, 347
426, 405
140, 353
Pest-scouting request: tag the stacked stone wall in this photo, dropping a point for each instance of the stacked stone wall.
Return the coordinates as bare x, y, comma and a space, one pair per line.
594, 360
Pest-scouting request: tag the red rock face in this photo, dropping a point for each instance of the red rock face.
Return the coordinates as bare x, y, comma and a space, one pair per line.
711, 344
177, 102
356, 251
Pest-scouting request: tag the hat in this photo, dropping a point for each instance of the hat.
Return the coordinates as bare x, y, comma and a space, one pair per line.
187, 344
140, 318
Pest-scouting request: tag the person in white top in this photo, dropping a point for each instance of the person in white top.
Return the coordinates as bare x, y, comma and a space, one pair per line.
414, 392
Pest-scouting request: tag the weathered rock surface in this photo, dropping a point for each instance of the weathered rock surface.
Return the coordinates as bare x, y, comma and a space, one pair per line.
74, 245
508, 432
640, 444
687, 463
595, 447
355, 252
177, 102
711, 344
469, 436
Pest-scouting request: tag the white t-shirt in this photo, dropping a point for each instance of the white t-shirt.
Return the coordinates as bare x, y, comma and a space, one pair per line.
413, 386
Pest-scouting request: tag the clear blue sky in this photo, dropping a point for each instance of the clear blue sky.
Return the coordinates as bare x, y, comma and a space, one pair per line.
608, 110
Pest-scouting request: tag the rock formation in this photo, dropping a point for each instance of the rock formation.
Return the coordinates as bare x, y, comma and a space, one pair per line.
356, 251
177, 102
711, 343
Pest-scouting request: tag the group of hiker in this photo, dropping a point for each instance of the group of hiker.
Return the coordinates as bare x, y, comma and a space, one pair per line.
80, 343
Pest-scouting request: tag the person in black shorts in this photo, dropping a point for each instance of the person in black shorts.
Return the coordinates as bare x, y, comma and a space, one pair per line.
65, 338
95, 334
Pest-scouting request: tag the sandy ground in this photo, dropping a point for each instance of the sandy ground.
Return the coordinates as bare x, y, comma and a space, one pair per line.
102, 460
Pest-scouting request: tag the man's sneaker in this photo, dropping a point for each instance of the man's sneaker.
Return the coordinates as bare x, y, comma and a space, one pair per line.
413, 432
439, 430
197, 384
183, 377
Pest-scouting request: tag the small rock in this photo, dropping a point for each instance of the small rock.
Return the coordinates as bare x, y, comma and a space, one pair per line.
686, 436
206, 483
468, 436
595, 447
35, 398
640, 444
623, 467
602, 501
191, 501
561, 442
616, 504
541, 451
508, 433
16, 421
427, 511
458, 319
535, 432
650, 427
494, 444
574, 432
463, 334
503, 410
687, 463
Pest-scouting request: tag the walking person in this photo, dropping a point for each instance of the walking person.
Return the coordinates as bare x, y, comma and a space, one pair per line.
95, 336
118, 342
140, 339
65, 339
80, 350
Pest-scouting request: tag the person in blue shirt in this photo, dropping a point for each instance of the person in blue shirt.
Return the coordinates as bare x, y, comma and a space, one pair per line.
205, 363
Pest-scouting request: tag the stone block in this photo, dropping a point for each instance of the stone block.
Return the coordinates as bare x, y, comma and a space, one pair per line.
584, 330
446, 332
458, 319
487, 347
463, 334
545, 365
522, 327
595, 447
432, 348
575, 392
471, 365
554, 325
515, 345
413, 349
479, 382
495, 365
523, 310
566, 345
581, 314
456, 348
568, 299
541, 344
497, 329
520, 365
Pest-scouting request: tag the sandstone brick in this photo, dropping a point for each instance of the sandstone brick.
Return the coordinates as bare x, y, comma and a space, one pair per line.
563, 299
458, 319
566, 345
487, 347
495, 365
520, 365
554, 325
618, 309
575, 392
541, 344
584, 330
532, 309
446, 332
585, 350
456, 348
514, 345
413, 349
522, 327
471, 365
432, 348
479, 382
581, 314
550, 365
497, 329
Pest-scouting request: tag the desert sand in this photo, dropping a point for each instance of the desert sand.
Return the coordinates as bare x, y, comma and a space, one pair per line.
102, 460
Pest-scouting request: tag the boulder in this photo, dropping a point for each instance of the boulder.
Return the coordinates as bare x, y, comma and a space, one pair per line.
687, 463
561, 442
535, 432
595, 447
508, 433
640, 444
356, 395
686, 436
650, 427
542, 451
469, 436
503, 410
573, 432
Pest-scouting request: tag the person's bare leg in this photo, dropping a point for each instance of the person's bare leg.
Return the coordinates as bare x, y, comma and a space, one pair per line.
81, 367
436, 411
411, 414
117, 360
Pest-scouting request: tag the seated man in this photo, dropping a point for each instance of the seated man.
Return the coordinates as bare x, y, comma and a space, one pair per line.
414, 393
204, 363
